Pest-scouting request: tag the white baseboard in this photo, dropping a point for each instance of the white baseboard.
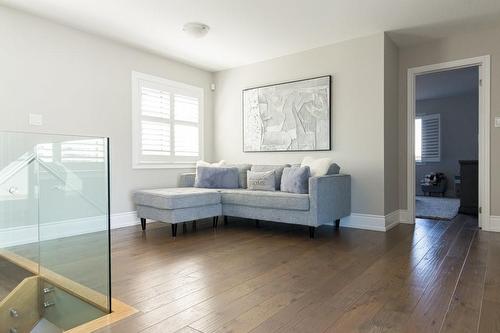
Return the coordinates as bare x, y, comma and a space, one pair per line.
122, 220
67, 228
404, 216
494, 224
374, 222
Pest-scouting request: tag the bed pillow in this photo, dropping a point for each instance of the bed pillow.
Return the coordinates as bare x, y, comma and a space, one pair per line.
295, 180
216, 177
263, 181
278, 171
319, 167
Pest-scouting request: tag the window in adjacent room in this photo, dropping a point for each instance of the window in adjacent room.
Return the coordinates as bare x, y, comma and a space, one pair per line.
428, 138
166, 122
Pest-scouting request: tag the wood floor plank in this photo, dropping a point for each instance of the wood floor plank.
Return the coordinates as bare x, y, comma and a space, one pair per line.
465, 306
429, 313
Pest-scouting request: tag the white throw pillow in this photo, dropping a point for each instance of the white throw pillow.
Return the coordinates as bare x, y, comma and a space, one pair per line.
319, 167
205, 163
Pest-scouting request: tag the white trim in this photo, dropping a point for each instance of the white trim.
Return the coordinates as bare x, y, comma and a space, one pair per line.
403, 216
392, 220
67, 228
494, 223
372, 222
484, 132
122, 220
173, 162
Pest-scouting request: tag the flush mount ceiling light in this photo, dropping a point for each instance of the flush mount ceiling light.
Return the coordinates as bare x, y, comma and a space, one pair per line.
195, 29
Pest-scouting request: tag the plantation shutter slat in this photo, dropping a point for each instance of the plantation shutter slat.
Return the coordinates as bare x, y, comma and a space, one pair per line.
431, 138
88, 150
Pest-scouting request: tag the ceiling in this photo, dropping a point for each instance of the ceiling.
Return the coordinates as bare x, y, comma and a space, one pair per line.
244, 32
447, 83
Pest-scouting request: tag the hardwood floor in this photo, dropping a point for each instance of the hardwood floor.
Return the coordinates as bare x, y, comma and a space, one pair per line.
435, 276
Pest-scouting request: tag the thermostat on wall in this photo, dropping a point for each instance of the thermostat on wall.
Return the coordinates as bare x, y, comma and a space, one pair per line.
497, 121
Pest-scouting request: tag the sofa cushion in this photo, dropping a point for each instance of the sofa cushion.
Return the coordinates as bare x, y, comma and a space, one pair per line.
265, 199
278, 170
263, 181
174, 198
242, 170
216, 177
295, 180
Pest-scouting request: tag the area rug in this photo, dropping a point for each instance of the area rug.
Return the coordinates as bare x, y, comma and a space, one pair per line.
436, 208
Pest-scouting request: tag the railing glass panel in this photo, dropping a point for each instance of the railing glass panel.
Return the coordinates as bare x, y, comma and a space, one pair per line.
54, 225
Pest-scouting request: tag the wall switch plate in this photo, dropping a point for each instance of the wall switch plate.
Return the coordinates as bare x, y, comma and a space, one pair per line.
36, 119
497, 121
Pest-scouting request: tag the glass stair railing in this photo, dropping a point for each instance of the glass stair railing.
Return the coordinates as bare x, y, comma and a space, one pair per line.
54, 232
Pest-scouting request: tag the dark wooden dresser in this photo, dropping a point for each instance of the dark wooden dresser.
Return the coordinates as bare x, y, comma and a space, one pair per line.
469, 187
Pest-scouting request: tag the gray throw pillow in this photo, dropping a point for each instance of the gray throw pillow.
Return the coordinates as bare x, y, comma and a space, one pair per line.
263, 181
278, 171
296, 180
216, 177
242, 169
334, 169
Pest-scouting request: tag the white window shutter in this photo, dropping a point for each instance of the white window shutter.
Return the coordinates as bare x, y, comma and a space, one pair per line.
166, 122
86, 150
431, 138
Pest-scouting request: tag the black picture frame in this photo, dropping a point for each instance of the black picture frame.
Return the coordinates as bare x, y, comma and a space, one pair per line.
283, 83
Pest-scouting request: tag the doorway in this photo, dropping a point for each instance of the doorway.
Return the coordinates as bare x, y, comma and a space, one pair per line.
448, 140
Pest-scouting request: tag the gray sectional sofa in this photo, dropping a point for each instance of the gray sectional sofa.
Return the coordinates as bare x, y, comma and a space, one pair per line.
328, 200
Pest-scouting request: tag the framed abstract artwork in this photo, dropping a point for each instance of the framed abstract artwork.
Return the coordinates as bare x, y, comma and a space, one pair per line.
289, 116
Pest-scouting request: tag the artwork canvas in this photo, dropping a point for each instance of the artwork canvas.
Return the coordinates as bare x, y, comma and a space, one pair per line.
291, 116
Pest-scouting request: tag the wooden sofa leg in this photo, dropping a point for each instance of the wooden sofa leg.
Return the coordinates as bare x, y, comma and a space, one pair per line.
184, 228
143, 223
311, 232
257, 223
174, 230
225, 220
194, 225
337, 223
215, 221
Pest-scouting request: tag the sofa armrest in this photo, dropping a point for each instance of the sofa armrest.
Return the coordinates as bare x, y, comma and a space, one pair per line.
330, 197
186, 179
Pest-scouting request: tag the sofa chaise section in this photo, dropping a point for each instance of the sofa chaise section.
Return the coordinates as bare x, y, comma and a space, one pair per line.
177, 205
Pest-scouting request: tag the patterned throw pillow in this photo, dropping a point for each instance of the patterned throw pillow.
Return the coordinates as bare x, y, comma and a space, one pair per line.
264, 181
278, 170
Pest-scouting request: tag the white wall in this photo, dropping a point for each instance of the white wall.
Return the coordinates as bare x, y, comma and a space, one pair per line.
357, 68
80, 83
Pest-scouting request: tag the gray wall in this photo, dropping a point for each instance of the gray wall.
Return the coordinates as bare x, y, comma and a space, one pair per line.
391, 130
459, 135
457, 47
357, 67
81, 84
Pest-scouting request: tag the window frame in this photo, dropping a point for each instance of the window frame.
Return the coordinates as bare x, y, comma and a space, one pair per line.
171, 162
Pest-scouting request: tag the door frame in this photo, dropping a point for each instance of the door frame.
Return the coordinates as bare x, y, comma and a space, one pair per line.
483, 62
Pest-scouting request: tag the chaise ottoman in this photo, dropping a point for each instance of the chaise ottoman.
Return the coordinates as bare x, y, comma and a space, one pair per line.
177, 205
